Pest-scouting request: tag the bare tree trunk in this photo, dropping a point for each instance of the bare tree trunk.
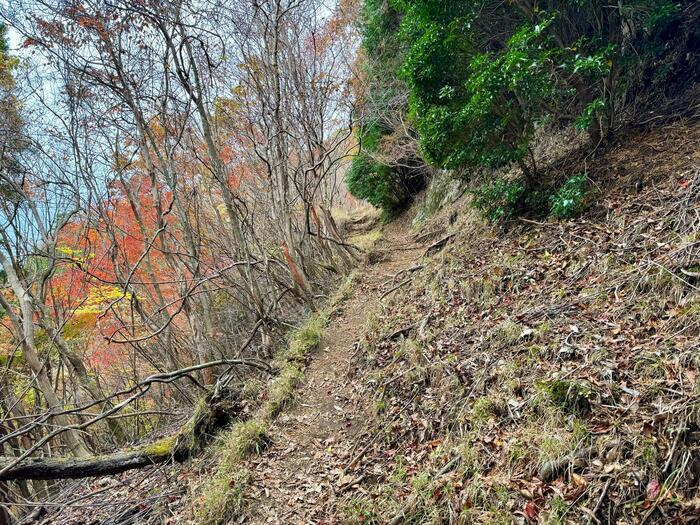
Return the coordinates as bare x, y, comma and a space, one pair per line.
72, 438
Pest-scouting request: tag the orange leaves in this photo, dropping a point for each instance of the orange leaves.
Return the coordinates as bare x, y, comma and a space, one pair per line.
91, 22
29, 42
123, 243
53, 31
226, 154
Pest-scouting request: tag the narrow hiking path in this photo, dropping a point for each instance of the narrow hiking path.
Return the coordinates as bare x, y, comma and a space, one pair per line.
297, 480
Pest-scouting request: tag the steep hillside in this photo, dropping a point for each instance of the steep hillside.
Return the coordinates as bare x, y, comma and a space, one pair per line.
357, 261
546, 372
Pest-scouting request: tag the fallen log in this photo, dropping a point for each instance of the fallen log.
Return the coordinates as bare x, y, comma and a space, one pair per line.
188, 441
62, 468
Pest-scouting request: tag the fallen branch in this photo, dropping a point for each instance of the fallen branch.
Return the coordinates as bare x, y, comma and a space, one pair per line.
188, 441
136, 391
394, 288
601, 498
427, 236
689, 273
61, 468
551, 470
439, 245
411, 269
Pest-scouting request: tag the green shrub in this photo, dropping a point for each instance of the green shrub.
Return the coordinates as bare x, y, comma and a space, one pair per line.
592, 111
569, 200
388, 185
483, 75
499, 199
503, 199
476, 104
371, 181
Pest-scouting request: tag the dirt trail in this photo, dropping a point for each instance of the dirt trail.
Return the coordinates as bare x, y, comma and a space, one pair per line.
297, 480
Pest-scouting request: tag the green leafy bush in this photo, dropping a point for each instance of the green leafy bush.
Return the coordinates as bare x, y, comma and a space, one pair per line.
661, 14
391, 184
389, 188
499, 199
503, 199
369, 180
475, 101
569, 200
482, 75
592, 111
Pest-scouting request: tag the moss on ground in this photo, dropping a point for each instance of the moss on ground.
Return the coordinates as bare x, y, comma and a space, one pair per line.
366, 241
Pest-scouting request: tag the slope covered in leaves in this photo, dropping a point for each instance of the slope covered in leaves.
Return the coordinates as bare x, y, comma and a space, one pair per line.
546, 372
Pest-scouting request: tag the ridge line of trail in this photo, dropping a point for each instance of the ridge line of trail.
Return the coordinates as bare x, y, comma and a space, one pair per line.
295, 480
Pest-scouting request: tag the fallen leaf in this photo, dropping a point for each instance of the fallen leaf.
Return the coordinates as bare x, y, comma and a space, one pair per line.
531, 510
653, 489
527, 332
578, 480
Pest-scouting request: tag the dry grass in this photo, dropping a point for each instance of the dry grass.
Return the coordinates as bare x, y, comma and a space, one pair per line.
366, 241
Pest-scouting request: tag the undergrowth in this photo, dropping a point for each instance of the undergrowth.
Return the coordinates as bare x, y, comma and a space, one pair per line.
504, 199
